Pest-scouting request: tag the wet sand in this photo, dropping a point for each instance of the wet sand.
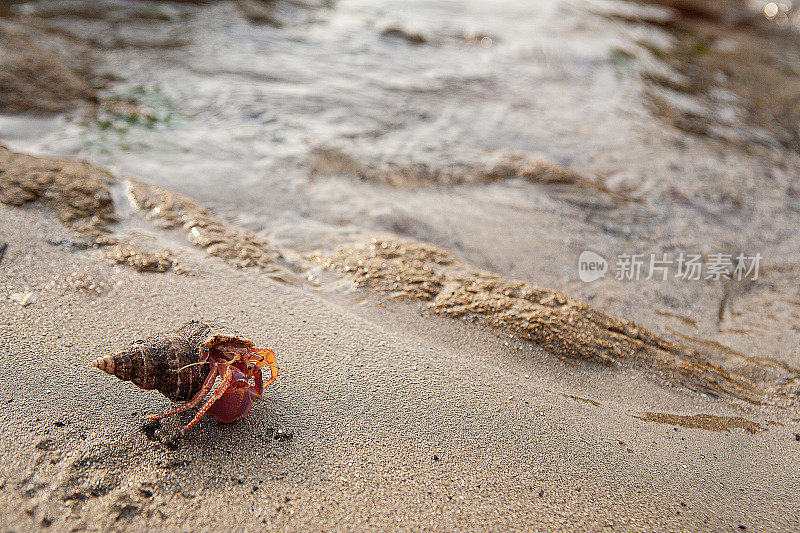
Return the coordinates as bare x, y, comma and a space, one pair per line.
414, 420
407, 389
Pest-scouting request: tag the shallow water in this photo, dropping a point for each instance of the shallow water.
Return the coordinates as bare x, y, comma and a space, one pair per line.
251, 102
235, 112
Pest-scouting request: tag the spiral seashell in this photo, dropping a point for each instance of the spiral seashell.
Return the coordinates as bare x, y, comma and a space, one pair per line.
160, 361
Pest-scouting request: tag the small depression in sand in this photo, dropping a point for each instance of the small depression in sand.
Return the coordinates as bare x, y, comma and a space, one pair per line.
708, 422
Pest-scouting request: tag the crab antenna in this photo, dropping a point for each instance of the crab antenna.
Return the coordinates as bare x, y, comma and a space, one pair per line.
236, 357
192, 364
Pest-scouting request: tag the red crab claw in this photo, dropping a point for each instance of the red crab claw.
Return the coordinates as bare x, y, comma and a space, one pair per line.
267, 358
235, 403
232, 399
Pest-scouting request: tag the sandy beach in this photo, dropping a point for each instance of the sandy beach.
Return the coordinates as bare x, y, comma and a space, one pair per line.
444, 366
424, 423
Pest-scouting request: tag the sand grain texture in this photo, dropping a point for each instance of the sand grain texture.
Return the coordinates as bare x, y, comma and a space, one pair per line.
436, 392
423, 421
412, 420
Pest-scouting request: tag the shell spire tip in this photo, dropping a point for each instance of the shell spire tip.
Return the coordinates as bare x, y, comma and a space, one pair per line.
105, 363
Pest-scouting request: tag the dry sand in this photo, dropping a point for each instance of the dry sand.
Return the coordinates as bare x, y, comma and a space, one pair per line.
414, 422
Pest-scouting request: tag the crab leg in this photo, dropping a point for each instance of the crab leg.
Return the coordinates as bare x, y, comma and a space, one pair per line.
196, 399
258, 388
220, 390
269, 359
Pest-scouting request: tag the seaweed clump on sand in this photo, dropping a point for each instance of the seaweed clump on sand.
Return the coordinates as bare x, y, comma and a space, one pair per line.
33, 80
558, 323
77, 192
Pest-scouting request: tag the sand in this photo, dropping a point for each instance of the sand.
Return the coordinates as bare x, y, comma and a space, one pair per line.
34, 80
414, 421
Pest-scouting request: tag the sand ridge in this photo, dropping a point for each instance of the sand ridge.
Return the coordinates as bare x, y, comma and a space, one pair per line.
80, 196
562, 325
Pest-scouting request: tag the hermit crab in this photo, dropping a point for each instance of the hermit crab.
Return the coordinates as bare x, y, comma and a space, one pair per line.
184, 364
